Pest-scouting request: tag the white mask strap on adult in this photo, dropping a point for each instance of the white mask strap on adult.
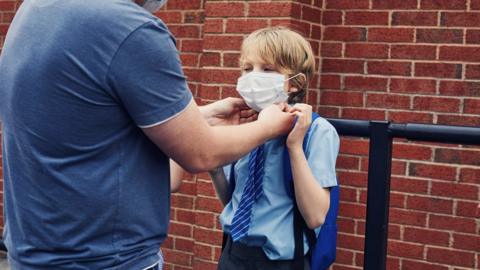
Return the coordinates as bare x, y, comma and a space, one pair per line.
153, 5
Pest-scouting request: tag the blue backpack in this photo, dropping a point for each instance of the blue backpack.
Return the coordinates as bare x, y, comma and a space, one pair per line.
322, 248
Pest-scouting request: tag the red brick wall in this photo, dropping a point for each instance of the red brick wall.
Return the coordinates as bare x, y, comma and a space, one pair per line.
404, 61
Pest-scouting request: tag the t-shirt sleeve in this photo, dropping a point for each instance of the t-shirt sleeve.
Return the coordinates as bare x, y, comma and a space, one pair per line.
322, 151
146, 76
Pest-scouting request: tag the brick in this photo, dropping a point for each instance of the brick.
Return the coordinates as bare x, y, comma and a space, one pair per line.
389, 68
456, 156
341, 98
335, 33
210, 59
331, 112
413, 86
311, 14
347, 4
208, 204
207, 236
439, 36
471, 106
194, 16
329, 49
351, 242
330, 82
390, 35
444, 4
347, 162
185, 216
405, 250
7, 6
213, 26
271, 9
185, 4
468, 209
475, 4
366, 18
430, 204
203, 219
365, 83
366, 50
461, 19
203, 251
354, 147
183, 244
472, 72
473, 36
409, 185
170, 16
221, 9
182, 202
454, 190
382, 4
425, 236
332, 17
342, 66
460, 88
433, 171
352, 210
458, 120
469, 175
412, 152
438, 70
245, 25
344, 256
363, 114
436, 104
414, 18
466, 54
179, 229
466, 242
227, 42
451, 257
410, 117
452, 223
354, 179
388, 101
415, 52
193, 45
422, 265
202, 265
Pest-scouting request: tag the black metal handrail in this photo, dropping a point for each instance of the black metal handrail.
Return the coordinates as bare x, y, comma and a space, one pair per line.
381, 134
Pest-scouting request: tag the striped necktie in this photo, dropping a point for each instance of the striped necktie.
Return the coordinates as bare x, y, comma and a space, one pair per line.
252, 191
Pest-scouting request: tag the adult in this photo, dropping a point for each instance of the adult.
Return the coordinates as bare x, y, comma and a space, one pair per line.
93, 104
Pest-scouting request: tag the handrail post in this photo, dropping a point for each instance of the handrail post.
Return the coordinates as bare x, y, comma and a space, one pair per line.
378, 196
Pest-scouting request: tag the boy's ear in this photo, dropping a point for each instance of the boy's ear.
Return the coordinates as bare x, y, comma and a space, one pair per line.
293, 89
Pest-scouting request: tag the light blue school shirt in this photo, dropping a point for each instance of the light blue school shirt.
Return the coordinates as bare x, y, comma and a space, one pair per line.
84, 187
271, 224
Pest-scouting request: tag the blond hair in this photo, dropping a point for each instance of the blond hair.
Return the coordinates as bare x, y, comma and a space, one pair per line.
287, 50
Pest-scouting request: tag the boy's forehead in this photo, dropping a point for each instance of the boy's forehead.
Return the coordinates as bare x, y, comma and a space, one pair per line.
254, 58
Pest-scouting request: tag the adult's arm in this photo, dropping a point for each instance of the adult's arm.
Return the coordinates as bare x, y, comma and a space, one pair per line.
194, 145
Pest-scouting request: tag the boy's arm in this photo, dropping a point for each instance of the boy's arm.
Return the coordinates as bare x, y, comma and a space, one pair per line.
313, 200
176, 176
221, 185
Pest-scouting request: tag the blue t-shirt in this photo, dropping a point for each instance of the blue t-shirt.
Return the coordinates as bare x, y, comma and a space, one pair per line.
271, 225
84, 188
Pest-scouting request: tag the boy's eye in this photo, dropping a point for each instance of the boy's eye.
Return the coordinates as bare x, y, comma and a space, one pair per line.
269, 69
247, 69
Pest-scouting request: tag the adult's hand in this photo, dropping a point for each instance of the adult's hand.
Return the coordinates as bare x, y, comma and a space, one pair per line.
228, 111
277, 119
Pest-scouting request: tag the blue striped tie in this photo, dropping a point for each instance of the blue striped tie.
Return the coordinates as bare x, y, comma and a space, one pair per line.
252, 191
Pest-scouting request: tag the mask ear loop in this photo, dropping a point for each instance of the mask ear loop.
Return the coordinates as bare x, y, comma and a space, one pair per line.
294, 76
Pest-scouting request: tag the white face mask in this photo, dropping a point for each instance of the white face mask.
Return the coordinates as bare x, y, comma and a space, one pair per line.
153, 5
262, 89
